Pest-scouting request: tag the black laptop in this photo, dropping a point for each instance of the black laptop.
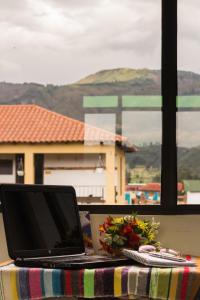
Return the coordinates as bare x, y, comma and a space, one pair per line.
43, 229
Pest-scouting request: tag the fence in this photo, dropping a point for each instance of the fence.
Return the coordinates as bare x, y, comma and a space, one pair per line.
90, 191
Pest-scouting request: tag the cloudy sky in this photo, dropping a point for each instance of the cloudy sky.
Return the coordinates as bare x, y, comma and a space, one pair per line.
61, 41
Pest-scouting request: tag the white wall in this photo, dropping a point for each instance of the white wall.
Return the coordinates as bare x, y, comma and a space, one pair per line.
74, 177
85, 182
77, 177
193, 198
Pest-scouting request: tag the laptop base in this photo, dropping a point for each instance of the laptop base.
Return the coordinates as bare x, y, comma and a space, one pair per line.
89, 262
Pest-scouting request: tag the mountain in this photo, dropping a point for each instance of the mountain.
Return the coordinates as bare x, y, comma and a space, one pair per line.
150, 157
60, 98
121, 81
188, 167
68, 100
121, 75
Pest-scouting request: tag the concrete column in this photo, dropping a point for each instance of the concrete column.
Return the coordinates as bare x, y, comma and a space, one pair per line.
29, 168
123, 176
119, 190
110, 177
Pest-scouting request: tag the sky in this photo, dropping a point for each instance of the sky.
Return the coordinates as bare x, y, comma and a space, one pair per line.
62, 41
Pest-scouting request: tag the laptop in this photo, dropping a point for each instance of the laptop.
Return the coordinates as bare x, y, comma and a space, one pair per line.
43, 229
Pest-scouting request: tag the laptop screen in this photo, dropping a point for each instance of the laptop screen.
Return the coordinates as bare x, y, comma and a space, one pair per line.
42, 220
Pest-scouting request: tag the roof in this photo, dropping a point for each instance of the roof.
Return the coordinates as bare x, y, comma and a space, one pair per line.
35, 124
150, 187
154, 187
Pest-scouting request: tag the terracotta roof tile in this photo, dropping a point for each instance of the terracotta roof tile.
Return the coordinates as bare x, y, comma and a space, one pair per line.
35, 124
154, 187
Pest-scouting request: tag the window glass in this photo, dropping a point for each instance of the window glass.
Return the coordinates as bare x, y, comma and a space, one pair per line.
6, 167
133, 111
188, 103
143, 167
96, 62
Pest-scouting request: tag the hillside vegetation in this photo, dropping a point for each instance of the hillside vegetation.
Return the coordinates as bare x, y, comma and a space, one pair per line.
120, 75
68, 100
150, 157
108, 82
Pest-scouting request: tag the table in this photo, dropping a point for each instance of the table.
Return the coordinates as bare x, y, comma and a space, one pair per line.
155, 283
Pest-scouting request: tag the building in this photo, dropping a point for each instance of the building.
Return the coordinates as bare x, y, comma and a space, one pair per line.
41, 146
191, 190
149, 193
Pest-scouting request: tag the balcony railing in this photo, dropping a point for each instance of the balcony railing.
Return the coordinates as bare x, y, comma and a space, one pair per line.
90, 194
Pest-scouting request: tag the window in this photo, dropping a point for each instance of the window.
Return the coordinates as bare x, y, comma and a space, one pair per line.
115, 71
143, 128
6, 167
124, 97
188, 103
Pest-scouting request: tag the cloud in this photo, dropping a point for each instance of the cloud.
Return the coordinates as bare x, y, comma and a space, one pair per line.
77, 4
10, 5
74, 38
188, 35
59, 34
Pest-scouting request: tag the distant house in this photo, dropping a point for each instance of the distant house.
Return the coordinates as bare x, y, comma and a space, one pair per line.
150, 192
41, 146
192, 191
145, 192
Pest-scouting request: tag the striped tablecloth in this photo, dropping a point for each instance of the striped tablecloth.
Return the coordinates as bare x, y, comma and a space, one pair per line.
154, 283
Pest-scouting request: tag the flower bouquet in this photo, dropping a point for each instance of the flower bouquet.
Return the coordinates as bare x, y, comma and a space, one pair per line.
130, 232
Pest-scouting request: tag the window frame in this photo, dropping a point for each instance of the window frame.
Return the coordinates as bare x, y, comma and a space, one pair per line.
169, 84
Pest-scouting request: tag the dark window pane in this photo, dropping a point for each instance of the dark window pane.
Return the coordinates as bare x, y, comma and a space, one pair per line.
6, 166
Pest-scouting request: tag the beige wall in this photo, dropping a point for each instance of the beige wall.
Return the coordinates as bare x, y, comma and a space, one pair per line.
109, 151
178, 232
3, 247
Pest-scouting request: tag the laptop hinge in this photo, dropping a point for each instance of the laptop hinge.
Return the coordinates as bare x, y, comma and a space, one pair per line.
19, 259
48, 257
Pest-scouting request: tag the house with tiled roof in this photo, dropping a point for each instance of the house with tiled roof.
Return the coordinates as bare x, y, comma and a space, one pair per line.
41, 146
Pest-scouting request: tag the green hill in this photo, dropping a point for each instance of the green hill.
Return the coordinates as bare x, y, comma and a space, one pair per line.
68, 100
120, 75
150, 157
188, 166
108, 82
60, 98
